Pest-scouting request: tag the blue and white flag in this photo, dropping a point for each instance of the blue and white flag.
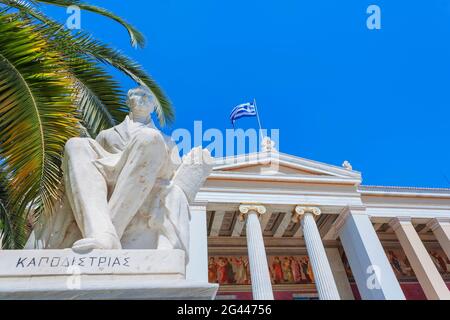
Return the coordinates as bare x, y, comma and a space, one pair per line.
243, 110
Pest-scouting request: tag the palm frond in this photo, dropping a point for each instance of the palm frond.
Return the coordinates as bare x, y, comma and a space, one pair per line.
27, 8
37, 116
137, 38
82, 44
98, 96
6, 225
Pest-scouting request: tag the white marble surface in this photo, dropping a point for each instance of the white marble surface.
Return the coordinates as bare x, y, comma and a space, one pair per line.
122, 287
16, 263
127, 189
99, 274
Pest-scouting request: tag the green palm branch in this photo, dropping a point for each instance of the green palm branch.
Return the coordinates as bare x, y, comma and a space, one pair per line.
82, 43
37, 115
137, 38
53, 85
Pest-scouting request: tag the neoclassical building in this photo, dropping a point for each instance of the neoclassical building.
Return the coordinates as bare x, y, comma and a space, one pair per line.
270, 225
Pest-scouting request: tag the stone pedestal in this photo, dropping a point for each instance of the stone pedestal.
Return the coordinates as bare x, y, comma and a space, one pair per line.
100, 274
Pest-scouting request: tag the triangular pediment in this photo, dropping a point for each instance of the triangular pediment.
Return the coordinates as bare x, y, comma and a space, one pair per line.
281, 164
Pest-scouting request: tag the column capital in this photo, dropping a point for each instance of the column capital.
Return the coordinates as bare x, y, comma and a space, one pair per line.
301, 211
435, 223
245, 208
397, 222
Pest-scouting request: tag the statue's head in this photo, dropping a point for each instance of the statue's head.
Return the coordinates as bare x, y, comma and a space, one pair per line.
141, 101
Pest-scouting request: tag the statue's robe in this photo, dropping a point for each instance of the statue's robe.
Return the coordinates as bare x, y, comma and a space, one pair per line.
165, 210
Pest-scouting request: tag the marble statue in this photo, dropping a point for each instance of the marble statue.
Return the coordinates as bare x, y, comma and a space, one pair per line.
127, 189
347, 165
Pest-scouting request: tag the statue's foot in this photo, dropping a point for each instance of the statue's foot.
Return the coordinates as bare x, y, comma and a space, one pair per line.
104, 242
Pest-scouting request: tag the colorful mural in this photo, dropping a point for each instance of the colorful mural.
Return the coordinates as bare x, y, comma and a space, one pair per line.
229, 270
402, 267
400, 263
235, 270
441, 261
290, 270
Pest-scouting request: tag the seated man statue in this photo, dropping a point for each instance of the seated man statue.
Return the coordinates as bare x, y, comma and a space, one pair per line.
128, 188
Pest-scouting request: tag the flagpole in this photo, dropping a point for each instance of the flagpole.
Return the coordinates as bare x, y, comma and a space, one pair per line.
259, 120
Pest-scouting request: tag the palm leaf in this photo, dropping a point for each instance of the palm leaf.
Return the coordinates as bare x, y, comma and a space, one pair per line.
137, 38
98, 96
37, 116
6, 225
82, 45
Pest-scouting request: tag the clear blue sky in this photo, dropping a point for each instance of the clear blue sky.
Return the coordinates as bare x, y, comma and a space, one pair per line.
336, 90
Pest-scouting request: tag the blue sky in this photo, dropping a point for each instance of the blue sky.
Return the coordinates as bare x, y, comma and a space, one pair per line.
336, 90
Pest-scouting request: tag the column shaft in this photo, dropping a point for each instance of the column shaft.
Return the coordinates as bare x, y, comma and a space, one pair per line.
426, 272
441, 230
323, 276
259, 268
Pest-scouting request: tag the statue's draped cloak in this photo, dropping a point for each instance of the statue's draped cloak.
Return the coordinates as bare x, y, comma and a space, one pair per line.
59, 230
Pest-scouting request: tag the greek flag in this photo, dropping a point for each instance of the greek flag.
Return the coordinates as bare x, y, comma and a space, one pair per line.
243, 110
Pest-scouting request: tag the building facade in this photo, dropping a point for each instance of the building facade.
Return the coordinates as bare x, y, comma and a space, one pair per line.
274, 226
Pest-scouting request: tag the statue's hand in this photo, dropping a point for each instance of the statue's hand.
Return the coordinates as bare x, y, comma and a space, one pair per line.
198, 157
194, 170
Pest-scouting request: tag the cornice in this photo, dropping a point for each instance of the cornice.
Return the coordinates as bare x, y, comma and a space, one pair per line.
251, 159
238, 176
404, 191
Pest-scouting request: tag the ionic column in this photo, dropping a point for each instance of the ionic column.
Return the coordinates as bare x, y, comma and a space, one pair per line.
259, 269
426, 272
323, 276
441, 230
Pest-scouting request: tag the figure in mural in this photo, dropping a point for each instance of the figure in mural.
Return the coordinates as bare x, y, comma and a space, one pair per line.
247, 270
283, 270
230, 272
128, 188
307, 270
277, 271
241, 272
287, 272
296, 272
408, 269
212, 270
439, 262
395, 262
222, 274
